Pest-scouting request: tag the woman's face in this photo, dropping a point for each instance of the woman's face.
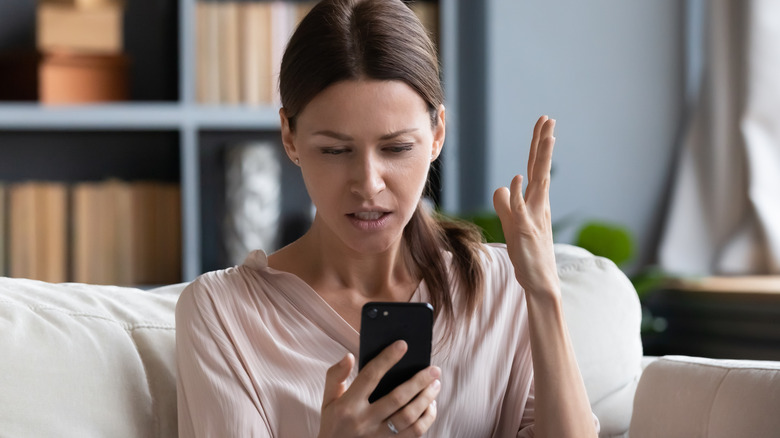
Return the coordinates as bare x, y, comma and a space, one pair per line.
364, 148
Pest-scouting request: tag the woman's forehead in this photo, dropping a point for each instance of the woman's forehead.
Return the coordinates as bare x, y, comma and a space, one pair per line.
393, 105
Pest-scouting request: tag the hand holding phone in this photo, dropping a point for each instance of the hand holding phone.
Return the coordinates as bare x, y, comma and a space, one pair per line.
383, 323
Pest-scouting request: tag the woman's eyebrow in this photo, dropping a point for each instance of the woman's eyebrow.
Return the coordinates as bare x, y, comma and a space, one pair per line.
344, 137
397, 133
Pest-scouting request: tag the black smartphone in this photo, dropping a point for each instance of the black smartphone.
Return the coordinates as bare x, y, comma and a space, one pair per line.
381, 324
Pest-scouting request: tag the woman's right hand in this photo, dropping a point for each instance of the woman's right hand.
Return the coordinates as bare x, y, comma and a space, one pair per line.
410, 408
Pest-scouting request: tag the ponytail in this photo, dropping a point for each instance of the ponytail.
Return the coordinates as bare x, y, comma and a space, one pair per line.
428, 235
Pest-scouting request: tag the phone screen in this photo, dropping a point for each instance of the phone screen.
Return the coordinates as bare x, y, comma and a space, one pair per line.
383, 323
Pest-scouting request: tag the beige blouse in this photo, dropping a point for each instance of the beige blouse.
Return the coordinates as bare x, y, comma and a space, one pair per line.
253, 346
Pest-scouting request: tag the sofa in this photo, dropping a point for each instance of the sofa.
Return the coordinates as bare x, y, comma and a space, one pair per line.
81, 360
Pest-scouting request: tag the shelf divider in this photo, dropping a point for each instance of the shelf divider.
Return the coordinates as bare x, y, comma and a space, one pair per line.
135, 116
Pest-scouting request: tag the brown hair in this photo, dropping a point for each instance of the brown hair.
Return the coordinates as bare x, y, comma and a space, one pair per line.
383, 39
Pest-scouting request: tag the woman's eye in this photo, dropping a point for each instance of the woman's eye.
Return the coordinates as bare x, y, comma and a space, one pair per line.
333, 151
399, 148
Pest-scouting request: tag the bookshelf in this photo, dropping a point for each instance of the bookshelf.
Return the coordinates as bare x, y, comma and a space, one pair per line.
164, 124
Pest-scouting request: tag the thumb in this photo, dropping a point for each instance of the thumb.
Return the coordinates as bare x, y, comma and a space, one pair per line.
336, 379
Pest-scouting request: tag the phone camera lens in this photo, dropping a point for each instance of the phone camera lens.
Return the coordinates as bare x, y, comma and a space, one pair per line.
373, 312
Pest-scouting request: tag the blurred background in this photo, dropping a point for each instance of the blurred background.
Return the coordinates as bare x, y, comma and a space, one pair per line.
139, 143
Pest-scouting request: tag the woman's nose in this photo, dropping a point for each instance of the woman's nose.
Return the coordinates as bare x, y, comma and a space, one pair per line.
367, 177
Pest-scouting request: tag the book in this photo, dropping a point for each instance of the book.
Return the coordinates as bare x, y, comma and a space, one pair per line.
84, 4
127, 233
52, 228
229, 55
207, 49
93, 30
22, 238
38, 231
144, 255
3, 232
84, 224
123, 236
258, 72
168, 266
282, 19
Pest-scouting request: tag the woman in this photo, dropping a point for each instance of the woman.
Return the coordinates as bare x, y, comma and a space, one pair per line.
268, 348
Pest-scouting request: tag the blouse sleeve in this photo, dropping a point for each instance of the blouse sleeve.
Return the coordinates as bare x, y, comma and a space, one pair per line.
215, 394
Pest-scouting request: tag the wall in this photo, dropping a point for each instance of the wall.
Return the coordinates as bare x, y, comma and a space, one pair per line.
612, 74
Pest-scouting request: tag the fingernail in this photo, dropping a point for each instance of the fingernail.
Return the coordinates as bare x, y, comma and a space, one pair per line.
436, 384
435, 372
433, 404
400, 345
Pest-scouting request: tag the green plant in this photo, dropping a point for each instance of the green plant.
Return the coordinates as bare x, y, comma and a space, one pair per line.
607, 240
490, 224
616, 243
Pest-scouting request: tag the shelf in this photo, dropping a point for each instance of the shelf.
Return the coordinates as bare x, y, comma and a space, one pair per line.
135, 116
221, 117
162, 133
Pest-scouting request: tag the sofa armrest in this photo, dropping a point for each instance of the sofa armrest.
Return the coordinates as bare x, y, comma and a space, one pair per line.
680, 396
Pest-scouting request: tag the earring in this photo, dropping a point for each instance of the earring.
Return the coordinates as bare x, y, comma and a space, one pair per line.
297, 161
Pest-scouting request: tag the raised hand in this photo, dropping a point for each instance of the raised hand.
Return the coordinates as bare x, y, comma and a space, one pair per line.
526, 220
408, 411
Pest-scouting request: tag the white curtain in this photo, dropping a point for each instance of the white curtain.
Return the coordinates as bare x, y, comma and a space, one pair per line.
724, 216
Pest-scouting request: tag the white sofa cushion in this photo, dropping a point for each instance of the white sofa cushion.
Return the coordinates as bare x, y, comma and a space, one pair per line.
87, 361
84, 360
604, 316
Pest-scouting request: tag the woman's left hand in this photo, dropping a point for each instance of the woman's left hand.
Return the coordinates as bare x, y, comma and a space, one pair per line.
526, 220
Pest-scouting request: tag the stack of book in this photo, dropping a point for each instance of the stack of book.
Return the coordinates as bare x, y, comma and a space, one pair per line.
239, 48
82, 47
240, 43
108, 232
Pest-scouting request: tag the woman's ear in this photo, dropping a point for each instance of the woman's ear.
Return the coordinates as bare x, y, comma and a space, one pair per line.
287, 137
438, 133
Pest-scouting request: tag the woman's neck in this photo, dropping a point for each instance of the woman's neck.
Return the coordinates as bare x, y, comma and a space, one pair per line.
335, 270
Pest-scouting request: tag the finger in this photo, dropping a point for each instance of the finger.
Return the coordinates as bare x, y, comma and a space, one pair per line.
412, 412
406, 392
535, 145
336, 379
543, 166
501, 204
423, 423
368, 378
516, 201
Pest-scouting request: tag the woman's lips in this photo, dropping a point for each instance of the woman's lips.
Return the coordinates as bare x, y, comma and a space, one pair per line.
369, 220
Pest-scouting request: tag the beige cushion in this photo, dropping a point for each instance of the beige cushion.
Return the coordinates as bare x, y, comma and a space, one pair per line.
686, 397
86, 361
604, 316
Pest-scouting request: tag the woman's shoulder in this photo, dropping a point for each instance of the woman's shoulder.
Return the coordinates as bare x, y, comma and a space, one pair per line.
228, 283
